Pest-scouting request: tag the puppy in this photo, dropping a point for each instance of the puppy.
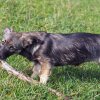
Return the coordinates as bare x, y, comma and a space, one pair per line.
47, 50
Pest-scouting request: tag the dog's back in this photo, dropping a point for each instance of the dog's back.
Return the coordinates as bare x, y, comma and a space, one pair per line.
73, 48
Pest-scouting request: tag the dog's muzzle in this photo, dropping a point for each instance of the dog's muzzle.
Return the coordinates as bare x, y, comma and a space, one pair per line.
3, 52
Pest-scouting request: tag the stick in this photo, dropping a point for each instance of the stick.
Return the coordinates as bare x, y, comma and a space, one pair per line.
21, 76
11, 70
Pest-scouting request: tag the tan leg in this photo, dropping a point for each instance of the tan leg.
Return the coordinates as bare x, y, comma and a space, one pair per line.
45, 72
36, 70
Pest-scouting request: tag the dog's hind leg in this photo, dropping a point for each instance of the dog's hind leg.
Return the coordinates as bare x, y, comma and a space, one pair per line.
36, 70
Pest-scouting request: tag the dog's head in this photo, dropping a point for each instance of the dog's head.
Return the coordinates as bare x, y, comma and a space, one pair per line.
13, 42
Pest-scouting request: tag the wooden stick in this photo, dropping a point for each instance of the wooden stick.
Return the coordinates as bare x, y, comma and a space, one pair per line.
21, 76
11, 70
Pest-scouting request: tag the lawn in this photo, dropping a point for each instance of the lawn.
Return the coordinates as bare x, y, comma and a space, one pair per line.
57, 16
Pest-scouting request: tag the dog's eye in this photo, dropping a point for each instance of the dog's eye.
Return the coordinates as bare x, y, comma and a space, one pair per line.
11, 48
3, 42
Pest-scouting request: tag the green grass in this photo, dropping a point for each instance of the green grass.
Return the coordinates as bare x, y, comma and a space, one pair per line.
57, 16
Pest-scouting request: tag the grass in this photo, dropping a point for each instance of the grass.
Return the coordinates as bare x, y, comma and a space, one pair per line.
57, 16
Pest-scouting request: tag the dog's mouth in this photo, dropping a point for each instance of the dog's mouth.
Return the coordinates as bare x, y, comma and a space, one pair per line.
4, 53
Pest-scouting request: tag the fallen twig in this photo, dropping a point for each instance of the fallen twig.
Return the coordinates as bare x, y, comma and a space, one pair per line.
11, 70
21, 76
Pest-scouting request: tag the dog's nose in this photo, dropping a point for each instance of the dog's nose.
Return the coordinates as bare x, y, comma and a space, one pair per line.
1, 46
1, 50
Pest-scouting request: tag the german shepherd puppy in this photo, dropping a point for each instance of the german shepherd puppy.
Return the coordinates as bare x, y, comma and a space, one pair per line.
47, 50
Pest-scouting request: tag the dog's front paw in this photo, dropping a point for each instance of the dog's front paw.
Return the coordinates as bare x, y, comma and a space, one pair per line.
43, 79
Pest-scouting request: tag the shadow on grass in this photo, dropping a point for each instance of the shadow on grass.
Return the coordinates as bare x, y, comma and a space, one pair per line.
71, 72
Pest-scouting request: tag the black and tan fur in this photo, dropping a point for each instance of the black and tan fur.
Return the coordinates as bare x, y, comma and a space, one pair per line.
47, 50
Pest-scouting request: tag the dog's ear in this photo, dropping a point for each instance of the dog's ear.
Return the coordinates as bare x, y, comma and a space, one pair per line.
32, 38
8, 30
25, 40
7, 34
26, 43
